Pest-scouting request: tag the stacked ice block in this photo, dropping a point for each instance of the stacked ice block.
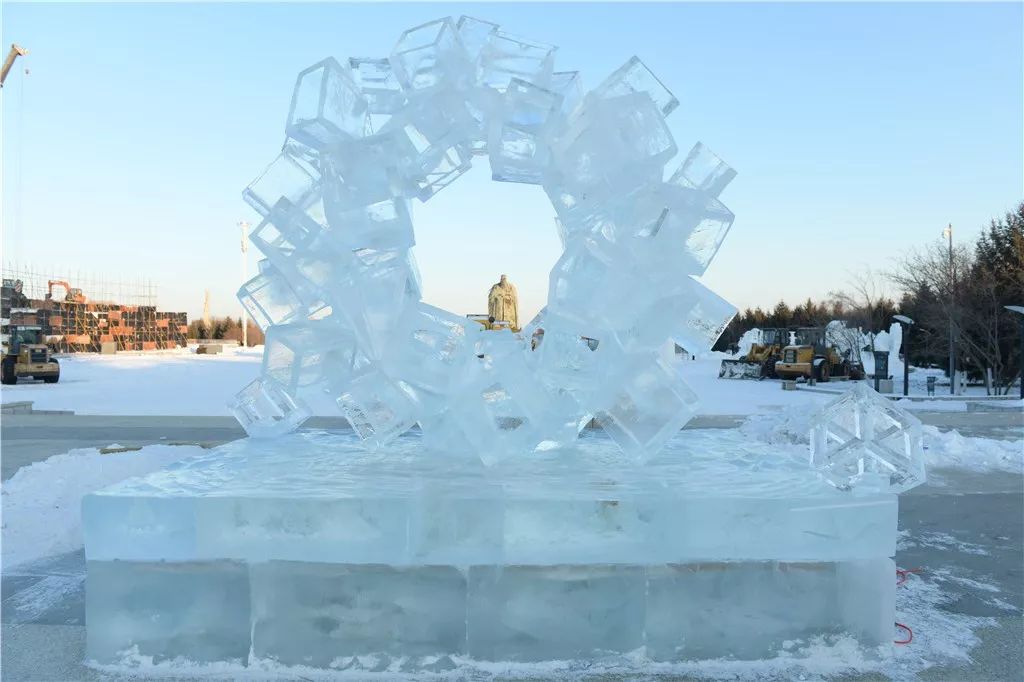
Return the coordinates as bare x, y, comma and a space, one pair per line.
339, 294
309, 550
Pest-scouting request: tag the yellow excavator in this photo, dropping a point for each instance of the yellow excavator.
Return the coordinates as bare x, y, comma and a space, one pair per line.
759, 361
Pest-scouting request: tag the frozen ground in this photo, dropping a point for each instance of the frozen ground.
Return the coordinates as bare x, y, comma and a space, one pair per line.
177, 382
962, 531
42, 502
183, 383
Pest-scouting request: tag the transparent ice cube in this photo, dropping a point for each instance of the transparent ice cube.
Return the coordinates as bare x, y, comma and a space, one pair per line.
270, 299
431, 347
504, 57
382, 225
622, 141
377, 82
475, 34
431, 56
378, 408
432, 138
518, 148
650, 404
266, 410
703, 170
634, 76
290, 177
699, 315
861, 439
299, 355
327, 106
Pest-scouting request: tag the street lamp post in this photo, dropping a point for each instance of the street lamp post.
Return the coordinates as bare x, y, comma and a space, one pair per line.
905, 322
1019, 309
948, 233
244, 226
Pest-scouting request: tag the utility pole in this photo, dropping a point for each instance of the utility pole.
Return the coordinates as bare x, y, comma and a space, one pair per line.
948, 233
206, 310
244, 226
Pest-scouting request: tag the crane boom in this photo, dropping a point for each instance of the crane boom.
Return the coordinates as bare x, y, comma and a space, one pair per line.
16, 51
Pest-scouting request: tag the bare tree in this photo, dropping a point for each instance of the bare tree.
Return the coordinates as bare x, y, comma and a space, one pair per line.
962, 295
863, 305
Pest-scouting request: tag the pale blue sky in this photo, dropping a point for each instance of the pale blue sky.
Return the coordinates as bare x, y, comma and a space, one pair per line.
855, 129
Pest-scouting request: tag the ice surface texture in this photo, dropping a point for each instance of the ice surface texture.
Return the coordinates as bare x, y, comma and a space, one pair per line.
339, 292
861, 439
710, 495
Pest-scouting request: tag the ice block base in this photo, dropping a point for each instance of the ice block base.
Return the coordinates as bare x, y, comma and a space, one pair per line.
307, 551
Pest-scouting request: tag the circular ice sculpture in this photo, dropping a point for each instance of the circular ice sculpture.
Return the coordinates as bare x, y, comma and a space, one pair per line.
338, 293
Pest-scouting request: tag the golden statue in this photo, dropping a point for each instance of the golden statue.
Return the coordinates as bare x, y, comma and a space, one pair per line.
503, 304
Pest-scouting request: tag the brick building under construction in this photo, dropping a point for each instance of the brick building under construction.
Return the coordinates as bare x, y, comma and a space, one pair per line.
70, 323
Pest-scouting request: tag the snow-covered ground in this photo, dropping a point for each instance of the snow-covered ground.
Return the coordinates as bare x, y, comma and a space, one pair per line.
177, 382
181, 382
42, 502
42, 517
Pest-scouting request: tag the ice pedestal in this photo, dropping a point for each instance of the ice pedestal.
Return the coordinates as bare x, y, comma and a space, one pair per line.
309, 550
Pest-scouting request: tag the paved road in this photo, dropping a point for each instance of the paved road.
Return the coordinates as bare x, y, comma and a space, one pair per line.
967, 533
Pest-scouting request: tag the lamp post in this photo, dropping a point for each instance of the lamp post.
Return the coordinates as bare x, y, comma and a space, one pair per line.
948, 233
1019, 309
244, 226
905, 322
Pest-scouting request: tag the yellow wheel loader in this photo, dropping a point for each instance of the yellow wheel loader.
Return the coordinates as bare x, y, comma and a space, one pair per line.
810, 357
759, 362
25, 355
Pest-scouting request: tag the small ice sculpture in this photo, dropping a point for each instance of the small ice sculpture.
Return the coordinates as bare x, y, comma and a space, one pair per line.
863, 439
339, 292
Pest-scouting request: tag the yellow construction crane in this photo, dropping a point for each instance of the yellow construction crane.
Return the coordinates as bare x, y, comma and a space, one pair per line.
16, 51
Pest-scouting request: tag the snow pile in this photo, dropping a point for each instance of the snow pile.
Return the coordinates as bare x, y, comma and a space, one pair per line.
749, 338
42, 503
943, 449
950, 450
932, 405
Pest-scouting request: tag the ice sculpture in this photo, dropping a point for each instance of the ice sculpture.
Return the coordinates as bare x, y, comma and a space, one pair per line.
332, 551
862, 439
365, 136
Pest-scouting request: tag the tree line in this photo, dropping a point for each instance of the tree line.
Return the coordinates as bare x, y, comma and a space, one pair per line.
225, 329
965, 290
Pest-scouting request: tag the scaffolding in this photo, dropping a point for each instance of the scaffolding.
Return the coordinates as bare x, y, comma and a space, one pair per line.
138, 291
115, 313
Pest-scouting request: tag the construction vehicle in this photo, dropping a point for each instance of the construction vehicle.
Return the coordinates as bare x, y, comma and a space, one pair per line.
71, 295
759, 361
16, 51
488, 322
25, 355
811, 357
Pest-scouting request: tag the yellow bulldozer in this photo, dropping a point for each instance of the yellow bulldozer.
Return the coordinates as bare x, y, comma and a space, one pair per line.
759, 361
811, 357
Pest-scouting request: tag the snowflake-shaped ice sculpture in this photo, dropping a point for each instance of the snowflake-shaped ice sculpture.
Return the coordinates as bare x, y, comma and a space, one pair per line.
338, 293
862, 438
